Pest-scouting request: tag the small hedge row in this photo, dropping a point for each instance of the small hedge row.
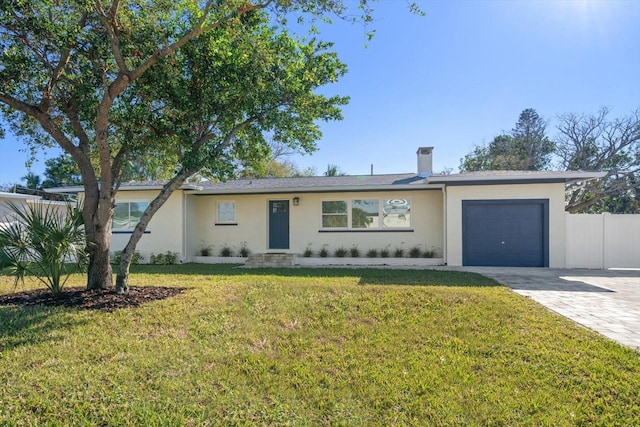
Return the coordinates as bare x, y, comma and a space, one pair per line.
386, 252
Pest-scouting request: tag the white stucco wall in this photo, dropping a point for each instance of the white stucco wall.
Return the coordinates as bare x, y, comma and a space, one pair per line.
165, 230
553, 192
305, 223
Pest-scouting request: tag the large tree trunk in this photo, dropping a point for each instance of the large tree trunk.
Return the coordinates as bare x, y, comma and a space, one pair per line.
99, 275
98, 230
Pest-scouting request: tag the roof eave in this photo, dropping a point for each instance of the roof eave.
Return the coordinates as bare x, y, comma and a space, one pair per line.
325, 189
80, 189
515, 178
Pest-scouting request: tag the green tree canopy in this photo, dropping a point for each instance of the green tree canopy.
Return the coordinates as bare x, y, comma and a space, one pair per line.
275, 165
32, 181
525, 147
333, 170
172, 86
586, 142
61, 171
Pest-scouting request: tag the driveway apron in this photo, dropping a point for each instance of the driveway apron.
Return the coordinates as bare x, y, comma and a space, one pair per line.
607, 301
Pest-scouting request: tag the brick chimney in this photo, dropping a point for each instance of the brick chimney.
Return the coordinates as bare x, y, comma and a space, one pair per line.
425, 161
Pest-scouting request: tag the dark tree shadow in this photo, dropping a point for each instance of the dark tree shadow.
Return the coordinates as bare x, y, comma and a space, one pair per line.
31, 325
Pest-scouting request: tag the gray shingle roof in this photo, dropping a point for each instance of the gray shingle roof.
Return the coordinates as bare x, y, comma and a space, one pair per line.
275, 185
314, 182
363, 182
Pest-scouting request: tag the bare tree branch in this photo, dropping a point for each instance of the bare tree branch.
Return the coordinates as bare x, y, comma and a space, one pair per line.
595, 142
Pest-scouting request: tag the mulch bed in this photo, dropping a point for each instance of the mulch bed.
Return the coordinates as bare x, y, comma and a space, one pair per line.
81, 298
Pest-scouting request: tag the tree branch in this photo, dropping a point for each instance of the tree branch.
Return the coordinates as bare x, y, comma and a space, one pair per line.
71, 108
45, 120
198, 29
125, 77
109, 23
57, 71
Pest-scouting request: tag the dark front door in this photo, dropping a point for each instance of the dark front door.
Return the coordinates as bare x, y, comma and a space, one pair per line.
509, 233
278, 224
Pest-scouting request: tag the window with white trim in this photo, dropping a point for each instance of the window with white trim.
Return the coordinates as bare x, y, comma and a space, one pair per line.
396, 213
365, 213
369, 214
126, 215
226, 213
334, 214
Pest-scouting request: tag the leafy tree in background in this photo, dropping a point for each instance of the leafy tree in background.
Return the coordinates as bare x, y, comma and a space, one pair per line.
61, 171
591, 142
276, 169
534, 148
275, 165
193, 85
32, 180
333, 170
597, 142
526, 147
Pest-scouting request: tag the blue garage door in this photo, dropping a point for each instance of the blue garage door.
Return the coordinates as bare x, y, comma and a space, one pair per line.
508, 233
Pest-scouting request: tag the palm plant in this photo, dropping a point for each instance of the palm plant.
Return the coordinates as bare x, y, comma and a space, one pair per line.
333, 170
43, 241
32, 180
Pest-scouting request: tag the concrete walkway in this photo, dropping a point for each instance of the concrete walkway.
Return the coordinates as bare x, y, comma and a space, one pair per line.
607, 301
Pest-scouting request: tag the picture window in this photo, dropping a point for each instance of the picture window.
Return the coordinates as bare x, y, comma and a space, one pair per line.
126, 215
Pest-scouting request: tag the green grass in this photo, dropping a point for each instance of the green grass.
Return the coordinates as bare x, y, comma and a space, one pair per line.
312, 347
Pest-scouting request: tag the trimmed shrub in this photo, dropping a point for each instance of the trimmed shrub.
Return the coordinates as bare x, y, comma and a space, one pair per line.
205, 250
415, 252
135, 259
324, 252
226, 251
166, 258
429, 254
244, 250
340, 252
308, 253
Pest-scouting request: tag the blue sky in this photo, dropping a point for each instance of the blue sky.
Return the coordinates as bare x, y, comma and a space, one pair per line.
459, 76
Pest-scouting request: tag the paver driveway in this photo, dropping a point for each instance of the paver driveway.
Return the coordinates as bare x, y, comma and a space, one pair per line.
607, 301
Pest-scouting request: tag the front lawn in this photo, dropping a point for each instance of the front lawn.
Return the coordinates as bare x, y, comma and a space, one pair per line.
311, 347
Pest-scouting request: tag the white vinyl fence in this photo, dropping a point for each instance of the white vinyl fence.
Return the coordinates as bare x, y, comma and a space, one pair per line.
603, 241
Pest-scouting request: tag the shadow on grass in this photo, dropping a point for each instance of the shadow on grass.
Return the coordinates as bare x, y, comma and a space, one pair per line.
32, 325
367, 276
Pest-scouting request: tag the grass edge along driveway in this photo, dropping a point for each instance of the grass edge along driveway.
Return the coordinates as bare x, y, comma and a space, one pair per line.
312, 347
